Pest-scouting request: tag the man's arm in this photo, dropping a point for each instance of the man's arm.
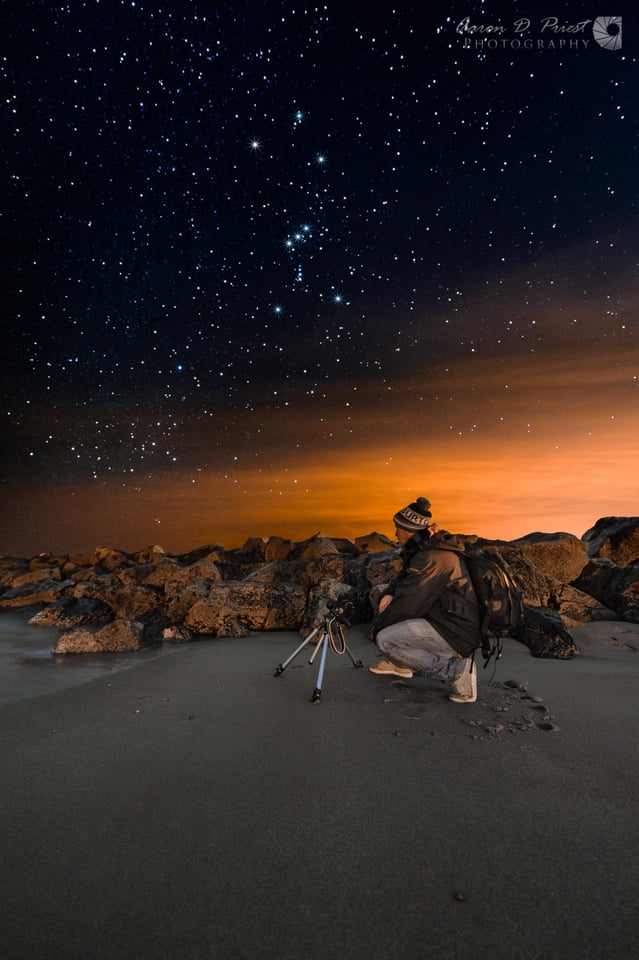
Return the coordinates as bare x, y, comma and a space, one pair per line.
425, 581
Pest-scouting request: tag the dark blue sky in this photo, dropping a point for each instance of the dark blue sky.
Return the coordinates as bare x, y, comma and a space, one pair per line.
213, 208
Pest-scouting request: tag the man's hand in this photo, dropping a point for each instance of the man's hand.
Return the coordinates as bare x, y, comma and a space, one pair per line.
384, 602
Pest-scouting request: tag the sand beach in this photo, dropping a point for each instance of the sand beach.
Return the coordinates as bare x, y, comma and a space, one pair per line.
195, 806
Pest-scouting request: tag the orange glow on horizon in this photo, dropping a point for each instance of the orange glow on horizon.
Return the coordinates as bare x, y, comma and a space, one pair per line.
546, 447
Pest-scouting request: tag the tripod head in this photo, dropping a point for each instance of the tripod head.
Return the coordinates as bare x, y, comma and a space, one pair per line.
339, 610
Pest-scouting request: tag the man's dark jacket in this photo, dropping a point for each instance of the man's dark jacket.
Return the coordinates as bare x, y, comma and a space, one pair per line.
434, 584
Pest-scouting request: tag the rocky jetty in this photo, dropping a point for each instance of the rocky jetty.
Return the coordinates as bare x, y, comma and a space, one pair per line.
110, 600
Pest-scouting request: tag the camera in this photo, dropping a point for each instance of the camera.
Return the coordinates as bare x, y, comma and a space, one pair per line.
341, 609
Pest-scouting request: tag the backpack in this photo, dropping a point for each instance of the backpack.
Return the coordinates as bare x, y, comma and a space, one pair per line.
501, 603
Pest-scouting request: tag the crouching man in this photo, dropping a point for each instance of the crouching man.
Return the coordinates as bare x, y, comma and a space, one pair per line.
428, 616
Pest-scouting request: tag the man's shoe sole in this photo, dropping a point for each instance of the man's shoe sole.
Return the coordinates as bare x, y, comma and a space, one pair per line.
404, 675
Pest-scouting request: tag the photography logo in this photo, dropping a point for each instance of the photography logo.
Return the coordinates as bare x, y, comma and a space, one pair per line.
545, 33
609, 40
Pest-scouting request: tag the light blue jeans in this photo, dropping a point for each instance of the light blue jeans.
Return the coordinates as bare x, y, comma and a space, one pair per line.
417, 645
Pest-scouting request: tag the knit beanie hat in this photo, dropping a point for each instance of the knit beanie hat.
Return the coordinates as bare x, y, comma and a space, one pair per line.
415, 517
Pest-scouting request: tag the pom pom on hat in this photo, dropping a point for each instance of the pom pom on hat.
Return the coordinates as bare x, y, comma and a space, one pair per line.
415, 517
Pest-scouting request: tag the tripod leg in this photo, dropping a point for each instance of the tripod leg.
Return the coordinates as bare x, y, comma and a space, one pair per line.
356, 663
317, 648
282, 666
317, 692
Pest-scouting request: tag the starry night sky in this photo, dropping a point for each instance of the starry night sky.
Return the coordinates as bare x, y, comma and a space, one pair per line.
274, 268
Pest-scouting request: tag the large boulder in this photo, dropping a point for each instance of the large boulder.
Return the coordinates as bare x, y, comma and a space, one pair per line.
545, 634
314, 547
254, 546
103, 557
112, 559
119, 636
613, 586
159, 574
559, 555
375, 543
34, 594
309, 572
538, 588
628, 604
128, 602
257, 606
616, 538
577, 608
327, 597
209, 551
184, 579
153, 554
382, 567
28, 575
277, 548
68, 612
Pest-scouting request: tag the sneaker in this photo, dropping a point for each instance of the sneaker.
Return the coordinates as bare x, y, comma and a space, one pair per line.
386, 667
465, 686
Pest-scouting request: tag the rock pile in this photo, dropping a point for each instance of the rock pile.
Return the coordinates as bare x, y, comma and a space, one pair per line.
109, 600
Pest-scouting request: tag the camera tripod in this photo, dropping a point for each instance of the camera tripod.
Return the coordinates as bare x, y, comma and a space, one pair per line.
332, 628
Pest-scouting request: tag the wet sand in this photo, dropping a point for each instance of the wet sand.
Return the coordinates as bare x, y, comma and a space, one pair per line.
196, 806
29, 669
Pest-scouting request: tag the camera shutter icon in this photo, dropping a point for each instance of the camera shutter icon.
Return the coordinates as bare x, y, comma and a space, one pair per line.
603, 36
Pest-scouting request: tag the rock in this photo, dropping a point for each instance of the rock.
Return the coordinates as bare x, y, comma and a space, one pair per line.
277, 549
317, 607
628, 604
382, 567
178, 607
133, 575
616, 538
314, 547
176, 635
308, 573
254, 546
13, 563
105, 557
257, 606
152, 554
597, 579
158, 574
20, 578
375, 543
203, 572
539, 537
559, 555
345, 546
68, 612
545, 634
128, 602
112, 560
577, 608
234, 628
210, 551
45, 560
613, 586
121, 635
34, 594
83, 574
